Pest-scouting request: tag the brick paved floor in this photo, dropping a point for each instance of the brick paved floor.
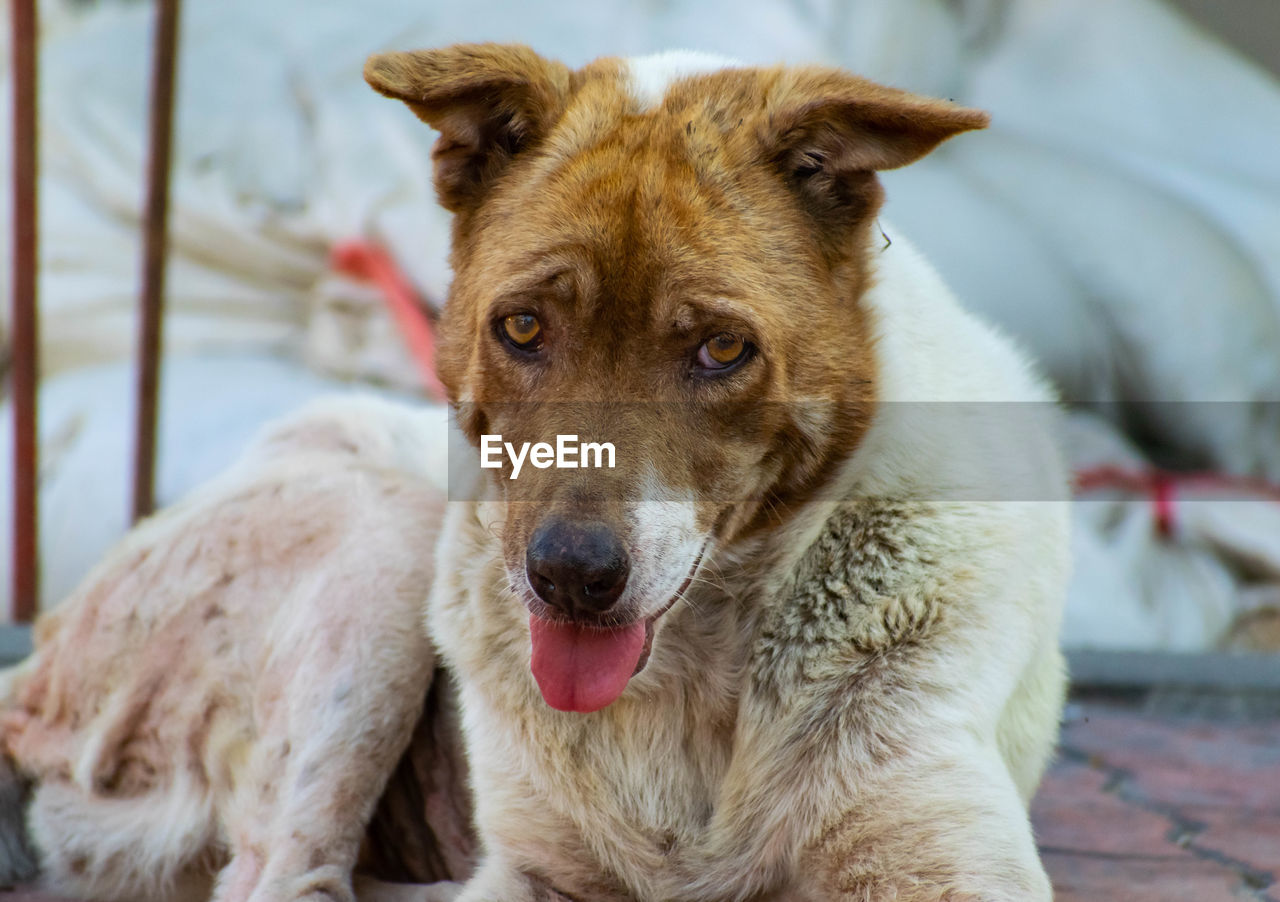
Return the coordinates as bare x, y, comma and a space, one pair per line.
1143, 807
1149, 807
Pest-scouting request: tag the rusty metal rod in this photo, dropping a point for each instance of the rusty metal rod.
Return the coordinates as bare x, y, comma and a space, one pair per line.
155, 239
25, 338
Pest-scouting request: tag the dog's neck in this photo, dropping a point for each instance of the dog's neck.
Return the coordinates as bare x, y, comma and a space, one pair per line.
938, 432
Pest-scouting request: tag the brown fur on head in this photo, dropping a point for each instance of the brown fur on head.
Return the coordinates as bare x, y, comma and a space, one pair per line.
741, 202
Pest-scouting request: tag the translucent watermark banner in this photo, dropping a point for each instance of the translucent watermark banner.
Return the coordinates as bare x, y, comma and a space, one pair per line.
762, 450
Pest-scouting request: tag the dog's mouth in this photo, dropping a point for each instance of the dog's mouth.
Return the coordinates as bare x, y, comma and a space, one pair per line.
584, 668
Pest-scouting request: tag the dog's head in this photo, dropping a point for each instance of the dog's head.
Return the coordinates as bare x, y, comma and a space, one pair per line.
666, 255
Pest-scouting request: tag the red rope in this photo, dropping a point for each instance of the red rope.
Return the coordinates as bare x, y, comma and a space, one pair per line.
369, 263
1164, 486
1163, 489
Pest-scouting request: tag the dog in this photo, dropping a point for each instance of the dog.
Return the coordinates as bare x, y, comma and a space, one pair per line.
800, 641
681, 256
216, 709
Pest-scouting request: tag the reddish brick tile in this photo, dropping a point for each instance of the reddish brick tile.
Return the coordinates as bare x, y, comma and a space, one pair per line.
1096, 878
1073, 813
1250, 837
1145, 808
1185, 763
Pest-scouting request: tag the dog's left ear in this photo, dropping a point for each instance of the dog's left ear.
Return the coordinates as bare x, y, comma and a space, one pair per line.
488, 101
830, 131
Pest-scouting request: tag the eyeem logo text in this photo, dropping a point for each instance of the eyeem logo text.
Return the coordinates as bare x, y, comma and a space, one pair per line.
566, 454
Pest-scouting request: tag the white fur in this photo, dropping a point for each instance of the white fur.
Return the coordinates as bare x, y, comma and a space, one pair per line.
650, 77
664, 547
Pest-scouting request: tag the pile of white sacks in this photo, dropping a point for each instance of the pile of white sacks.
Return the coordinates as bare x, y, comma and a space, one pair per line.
1121, 217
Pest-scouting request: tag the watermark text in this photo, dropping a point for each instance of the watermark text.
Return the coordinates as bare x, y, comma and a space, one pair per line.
566, 454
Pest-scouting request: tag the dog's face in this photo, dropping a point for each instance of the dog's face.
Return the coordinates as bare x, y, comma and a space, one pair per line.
672, 265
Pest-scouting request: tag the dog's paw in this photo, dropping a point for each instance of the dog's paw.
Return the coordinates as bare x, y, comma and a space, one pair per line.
509, 887
370, 890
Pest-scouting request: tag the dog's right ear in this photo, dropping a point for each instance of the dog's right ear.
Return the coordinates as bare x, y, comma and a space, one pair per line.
488, 101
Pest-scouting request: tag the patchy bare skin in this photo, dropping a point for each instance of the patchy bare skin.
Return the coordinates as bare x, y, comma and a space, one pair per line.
220, 704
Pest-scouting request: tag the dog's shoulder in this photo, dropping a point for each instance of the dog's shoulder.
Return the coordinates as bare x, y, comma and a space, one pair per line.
962, 413
929, 347
919, 546
863, 585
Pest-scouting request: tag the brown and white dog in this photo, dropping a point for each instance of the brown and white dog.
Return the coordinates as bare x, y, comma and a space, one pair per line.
795, 645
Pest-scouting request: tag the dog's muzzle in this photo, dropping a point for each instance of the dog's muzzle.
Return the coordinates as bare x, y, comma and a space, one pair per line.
578, 569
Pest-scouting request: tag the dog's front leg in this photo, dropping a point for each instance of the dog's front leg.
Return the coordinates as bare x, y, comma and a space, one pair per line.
951, 830
930, 828
370, 890
491, 883
854, 789
337, 710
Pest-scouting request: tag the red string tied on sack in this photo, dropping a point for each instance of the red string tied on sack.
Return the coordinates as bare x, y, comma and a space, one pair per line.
367, 262
1164, 486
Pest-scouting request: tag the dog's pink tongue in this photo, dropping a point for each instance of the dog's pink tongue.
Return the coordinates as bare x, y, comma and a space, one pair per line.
581, 669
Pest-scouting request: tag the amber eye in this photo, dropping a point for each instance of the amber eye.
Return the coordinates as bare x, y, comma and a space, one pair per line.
523, 331
722, 352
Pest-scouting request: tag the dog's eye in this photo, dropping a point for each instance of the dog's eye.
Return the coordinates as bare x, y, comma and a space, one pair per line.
722, 352
523, 331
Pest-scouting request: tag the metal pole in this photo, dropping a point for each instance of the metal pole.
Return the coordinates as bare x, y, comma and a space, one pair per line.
155, 232
25, 364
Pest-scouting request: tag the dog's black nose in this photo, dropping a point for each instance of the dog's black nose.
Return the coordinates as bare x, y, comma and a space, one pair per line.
579, 569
